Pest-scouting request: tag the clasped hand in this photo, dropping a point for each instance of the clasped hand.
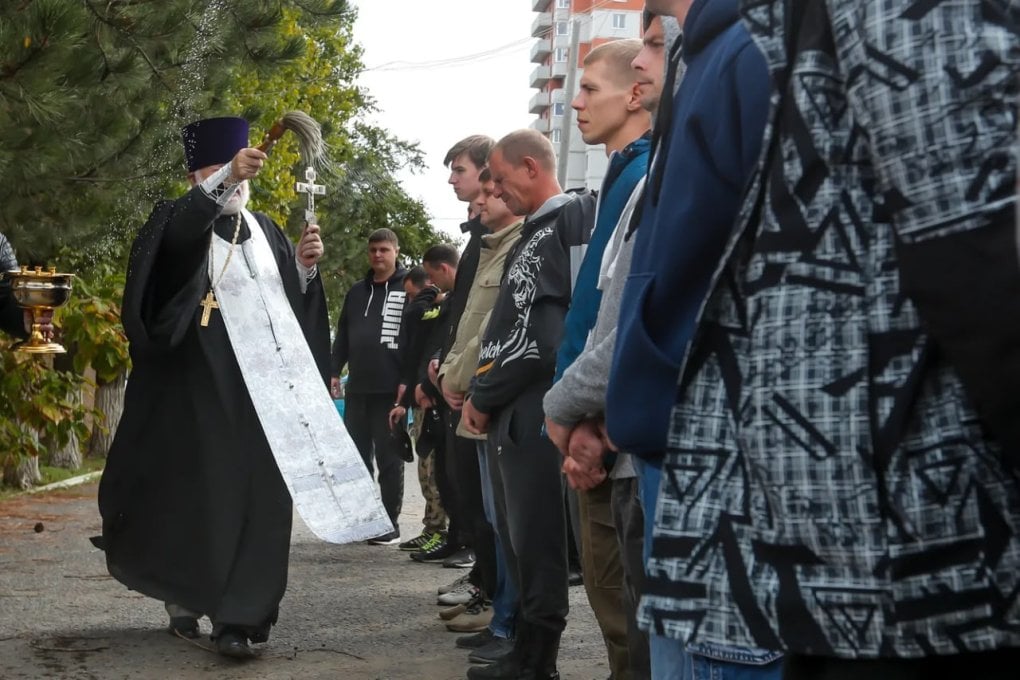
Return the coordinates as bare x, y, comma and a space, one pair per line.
583, 447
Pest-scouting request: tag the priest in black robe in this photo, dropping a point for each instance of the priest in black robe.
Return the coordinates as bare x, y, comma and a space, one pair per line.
195, 511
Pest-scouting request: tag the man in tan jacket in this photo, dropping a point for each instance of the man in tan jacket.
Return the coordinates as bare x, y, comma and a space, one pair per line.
455, 379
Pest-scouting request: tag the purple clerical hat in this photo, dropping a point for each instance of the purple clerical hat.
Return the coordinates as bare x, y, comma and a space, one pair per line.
214, 141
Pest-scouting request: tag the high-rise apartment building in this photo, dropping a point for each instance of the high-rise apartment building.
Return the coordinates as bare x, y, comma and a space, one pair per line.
596, 22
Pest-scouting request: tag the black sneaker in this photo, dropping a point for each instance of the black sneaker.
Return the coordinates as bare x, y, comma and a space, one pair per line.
475, 640
461, 559
436, 553
495, 650
391, 538
426, 540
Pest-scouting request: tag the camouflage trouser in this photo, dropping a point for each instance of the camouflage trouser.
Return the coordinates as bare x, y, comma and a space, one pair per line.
435, 515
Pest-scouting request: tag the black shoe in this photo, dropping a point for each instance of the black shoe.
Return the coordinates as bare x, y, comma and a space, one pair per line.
391, 538
234, 645
475, 640
574, 577
437, 553
492, 652
185, 626
507, 668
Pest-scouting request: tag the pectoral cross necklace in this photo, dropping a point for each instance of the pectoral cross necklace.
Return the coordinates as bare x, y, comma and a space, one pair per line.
209, 301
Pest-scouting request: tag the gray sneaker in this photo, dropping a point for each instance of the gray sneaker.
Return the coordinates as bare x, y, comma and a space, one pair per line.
492, 652
456, 584
462, 559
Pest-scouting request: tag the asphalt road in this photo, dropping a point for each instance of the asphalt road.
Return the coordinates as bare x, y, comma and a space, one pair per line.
352, 611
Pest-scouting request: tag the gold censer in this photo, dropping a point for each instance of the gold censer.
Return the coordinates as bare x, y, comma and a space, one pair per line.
37, 291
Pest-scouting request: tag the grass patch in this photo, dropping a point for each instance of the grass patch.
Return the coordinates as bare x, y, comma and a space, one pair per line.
57, 474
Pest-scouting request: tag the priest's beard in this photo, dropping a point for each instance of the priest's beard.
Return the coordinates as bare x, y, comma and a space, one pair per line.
238, 201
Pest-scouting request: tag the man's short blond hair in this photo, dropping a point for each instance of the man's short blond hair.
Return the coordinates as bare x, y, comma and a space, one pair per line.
515, 146
617, 54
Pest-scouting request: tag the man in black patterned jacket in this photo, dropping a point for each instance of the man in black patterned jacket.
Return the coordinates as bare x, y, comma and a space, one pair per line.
517, 359
842, 474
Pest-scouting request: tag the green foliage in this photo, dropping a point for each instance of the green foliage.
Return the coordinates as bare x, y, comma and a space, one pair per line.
362, 193
94, 94
36, 400
90, 322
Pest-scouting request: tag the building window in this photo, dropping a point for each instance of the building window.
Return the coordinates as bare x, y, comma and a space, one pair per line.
559, 108
563, 4
562, 28
619, 20
554, 136
561, 54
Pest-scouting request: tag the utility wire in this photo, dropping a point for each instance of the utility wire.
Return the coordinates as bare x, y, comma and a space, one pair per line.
446, 62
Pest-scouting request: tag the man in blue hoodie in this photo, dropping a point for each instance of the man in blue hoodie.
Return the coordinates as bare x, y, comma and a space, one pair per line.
708, 138
609, 112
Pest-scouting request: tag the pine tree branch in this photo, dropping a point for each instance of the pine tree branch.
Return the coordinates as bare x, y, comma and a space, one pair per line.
155, 71
326, 13
131, 38
11, 70
90, 174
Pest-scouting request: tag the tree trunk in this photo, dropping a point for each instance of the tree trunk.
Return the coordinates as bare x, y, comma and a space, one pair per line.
110, 402
23, 474
67, 456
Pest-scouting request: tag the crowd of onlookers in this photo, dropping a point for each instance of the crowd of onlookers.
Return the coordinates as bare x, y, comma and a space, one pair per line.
771, 356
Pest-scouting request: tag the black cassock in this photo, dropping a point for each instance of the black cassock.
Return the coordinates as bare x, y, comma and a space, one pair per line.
194, 509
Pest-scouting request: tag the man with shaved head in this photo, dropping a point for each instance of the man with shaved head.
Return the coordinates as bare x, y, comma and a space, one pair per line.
515, 368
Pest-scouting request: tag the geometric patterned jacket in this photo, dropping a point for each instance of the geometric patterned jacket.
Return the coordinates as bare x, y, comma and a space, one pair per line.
842, 471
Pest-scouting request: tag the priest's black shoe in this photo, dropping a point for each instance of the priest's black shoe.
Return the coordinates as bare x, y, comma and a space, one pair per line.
235, 645
185, 626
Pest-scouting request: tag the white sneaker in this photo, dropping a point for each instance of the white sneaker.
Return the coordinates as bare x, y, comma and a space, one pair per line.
459, 595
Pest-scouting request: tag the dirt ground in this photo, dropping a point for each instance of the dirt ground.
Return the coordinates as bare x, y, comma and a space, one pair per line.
353, 611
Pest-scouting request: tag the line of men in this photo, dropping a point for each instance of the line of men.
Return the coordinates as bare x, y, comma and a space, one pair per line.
786, 421
804, 353
533, 255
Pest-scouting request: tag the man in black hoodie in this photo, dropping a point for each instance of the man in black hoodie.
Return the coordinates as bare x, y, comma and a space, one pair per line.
368, 342
517, 360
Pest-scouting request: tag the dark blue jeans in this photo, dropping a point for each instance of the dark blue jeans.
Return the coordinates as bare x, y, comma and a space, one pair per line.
505, 599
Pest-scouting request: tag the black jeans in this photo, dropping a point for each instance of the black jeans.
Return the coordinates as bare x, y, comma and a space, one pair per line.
528, 490
367, 420
472, 529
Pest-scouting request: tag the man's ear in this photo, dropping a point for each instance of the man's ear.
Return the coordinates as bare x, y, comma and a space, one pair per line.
532, 165
634, 98
192, 180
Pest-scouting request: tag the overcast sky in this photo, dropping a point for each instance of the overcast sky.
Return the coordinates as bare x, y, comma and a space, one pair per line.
440, 104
